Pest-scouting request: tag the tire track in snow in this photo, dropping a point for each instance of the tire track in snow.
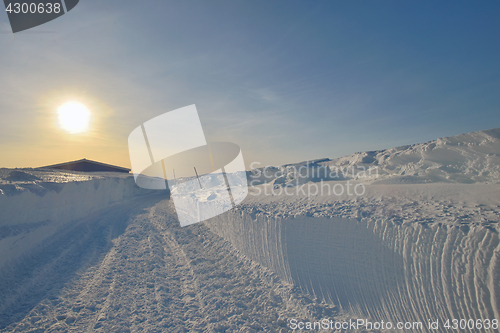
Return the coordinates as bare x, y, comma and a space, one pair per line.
189, 286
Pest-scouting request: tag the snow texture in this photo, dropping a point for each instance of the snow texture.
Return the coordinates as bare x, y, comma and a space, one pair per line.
132, 268
92, 251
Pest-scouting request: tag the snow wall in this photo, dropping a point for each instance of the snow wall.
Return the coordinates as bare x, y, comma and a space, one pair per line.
377, 269
32, 212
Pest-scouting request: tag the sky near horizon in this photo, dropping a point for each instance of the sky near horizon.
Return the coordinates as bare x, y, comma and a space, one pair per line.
287, 81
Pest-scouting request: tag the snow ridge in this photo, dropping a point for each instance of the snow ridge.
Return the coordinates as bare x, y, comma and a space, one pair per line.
466, 158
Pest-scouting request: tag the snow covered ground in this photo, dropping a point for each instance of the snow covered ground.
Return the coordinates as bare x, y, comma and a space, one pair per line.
408, 234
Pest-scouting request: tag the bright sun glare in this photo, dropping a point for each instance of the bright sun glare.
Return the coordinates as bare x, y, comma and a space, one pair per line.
74, 117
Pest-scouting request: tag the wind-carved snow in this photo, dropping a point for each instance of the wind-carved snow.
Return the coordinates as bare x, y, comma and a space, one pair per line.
377, 269
466, 158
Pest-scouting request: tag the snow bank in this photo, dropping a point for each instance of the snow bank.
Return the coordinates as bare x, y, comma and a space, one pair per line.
376, 268
34, 204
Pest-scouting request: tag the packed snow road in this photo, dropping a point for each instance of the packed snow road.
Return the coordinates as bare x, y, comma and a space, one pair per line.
132, 268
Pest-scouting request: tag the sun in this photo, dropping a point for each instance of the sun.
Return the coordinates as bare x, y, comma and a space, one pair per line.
74, 117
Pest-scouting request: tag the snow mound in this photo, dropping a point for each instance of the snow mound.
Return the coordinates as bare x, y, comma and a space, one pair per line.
466, 158
15, 175
404, 252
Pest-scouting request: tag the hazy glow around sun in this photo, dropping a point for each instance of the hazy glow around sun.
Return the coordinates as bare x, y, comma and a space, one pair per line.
74, 117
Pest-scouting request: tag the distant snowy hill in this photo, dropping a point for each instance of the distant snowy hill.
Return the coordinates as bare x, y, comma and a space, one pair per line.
465, 158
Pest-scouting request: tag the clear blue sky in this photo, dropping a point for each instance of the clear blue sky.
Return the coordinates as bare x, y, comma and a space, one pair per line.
285, 80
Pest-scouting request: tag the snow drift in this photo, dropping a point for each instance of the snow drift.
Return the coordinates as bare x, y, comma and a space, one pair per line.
466, 158
34, 204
